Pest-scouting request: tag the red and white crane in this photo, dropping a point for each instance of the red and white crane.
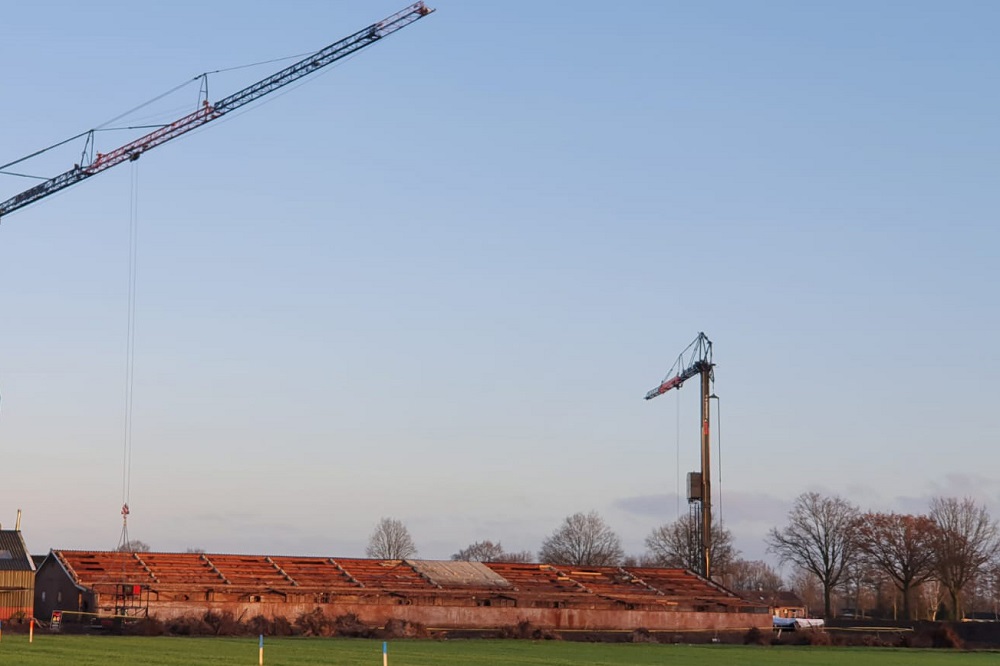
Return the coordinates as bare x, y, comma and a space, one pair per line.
92, 164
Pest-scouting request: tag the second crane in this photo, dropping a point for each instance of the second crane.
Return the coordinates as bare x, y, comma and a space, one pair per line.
696, 361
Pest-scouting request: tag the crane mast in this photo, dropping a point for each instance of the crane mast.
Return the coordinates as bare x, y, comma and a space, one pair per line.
694, 361
208, 112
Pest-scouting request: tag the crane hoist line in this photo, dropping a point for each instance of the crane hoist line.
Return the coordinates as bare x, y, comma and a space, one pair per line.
209, 112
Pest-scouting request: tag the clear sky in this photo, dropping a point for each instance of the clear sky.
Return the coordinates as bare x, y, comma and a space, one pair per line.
435, 281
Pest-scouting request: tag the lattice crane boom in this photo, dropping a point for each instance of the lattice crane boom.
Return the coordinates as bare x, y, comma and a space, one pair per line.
694, 360
208, 112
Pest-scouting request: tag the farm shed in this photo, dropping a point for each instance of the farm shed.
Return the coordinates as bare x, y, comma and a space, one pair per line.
17, 576
437, 594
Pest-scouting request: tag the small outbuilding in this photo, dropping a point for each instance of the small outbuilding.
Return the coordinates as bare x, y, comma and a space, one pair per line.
17, 575
783, 603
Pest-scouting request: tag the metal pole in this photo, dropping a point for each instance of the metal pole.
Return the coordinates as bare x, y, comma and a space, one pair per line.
706, 469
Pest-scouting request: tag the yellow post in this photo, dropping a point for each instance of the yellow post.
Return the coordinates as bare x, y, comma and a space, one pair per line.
31, 631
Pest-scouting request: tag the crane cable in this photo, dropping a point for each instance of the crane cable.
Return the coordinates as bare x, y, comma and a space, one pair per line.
677, 423
718, 439
133, 265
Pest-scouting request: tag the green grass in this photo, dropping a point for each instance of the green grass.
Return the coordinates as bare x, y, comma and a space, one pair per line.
49, 650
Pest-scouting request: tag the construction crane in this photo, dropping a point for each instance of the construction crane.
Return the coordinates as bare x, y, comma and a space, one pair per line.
92, 165
696, 360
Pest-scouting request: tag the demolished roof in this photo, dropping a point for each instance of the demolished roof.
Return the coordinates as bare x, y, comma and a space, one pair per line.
561, 586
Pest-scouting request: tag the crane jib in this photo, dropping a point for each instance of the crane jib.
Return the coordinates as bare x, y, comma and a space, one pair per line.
208, 112
676, 382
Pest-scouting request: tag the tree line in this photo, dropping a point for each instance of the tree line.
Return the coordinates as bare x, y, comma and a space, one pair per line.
585, 539
950, 552
869, 559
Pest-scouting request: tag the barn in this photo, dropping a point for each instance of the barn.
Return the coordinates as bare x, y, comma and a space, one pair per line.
436, 594
17, 575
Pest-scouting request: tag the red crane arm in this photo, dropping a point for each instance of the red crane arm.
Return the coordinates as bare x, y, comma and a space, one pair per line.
691, 362
674, 382
133, 149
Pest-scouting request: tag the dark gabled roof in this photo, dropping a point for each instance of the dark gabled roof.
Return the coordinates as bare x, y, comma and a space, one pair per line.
779, 598
787, 598
13, 554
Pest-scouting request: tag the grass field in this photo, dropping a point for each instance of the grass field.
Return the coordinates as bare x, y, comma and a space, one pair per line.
49, 650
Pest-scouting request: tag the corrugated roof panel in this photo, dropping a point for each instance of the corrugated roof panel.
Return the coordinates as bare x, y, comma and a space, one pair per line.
13, 555
460, 574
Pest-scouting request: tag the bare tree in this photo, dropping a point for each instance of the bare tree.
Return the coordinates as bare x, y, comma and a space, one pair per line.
643, 560
860, 586
902, 547
522, 556
755, 575
390, 541
487, 551
818, 538
677, 544
133, 546
807, 588
930, 599
967, 540
987, 587
480, 551
583, 540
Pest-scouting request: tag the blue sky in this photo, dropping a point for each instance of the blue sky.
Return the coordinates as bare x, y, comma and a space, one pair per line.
435, 281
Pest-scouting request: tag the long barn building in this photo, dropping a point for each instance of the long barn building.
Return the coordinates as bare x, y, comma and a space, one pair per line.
436, 594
